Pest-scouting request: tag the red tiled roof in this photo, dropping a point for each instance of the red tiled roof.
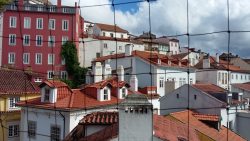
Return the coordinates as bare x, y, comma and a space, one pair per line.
76, 100
244, 86
16, 82
107, 27
112, 81
149, 95
219, 135
209, 88
149, 56
100, 118
206, 117
54, 83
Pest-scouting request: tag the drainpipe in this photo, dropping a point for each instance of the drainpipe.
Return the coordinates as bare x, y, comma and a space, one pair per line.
63, 123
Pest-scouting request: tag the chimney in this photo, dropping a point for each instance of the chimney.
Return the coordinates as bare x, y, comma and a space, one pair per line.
120, 73
217, 59
97, 72
133, 83
106, 71
135, 119
206, 62
59, 3
128, 49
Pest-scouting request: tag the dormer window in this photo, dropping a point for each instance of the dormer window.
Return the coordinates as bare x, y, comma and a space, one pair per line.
105, 94
46, 95
123, 92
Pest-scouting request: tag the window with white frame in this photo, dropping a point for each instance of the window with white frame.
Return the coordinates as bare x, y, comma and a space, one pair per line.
39, 40
50, 74
121, 35
63, 61
123, 92
161, 83
26, 40
64, 39
191, 81
46, 95
105, 94
55, 133
27, 7
38, 58
26, 58
12, 22
32, 129
38, 79
12, 39
111, 35
39, 8
39, 23
52, 9
64, 75
65, 25
13, 131
105, 45
13, 101
26, 22
51, 59
11, 58
52, 24
51, 41
120, 47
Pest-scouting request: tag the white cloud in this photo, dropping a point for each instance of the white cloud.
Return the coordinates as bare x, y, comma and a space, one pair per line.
168, 17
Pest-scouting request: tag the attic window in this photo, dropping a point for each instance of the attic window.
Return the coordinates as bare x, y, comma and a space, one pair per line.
105, 94
177, 96
46, 95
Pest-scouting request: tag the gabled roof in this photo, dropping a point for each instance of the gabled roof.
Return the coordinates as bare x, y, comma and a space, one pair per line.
16, 82
112, 82
243, 86
180, 56
219, 135
102, 118
107, 27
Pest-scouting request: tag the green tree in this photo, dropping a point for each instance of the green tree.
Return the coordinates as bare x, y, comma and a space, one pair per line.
75, 72
3, 3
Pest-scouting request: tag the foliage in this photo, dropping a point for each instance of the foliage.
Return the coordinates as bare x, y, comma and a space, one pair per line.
75, 72
3, 3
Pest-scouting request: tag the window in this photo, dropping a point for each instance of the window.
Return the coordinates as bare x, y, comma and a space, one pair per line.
38, 58
65, 10
191, 81
11, 58
111, 35
12, 22
39, 23
46, 95
120, 47
38, 79
64, 75
51, 41
236, 77
26, 58
39, 8
105, 94
63, 61
64, 39
241, 77
27, 7
177, 96
13, 131
52, 9
51, 59
105, 45
12, 39
121, 35
50, 75
195, 96
232, 76
52, 24
104, 34
32, 129
13, 7
26, 40
13, 101
26, 23
123, 92
65, 25
161, 83
55, 133
39, 40
98, 54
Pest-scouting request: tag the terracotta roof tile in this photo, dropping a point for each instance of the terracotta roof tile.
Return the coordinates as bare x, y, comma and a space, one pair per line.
213, 133
244, 86
100, 118
16, 82
206, 117
107, 27
209, 88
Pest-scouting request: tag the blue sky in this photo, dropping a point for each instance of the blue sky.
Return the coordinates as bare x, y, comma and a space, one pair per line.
131, 7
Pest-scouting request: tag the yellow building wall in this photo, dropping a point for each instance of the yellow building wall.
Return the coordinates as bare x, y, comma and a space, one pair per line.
10, 116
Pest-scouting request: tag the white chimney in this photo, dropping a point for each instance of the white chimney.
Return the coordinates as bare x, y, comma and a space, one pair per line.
206, 62
106, 71
133, 83
120, 73
128, 49
217, 59
98, 72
